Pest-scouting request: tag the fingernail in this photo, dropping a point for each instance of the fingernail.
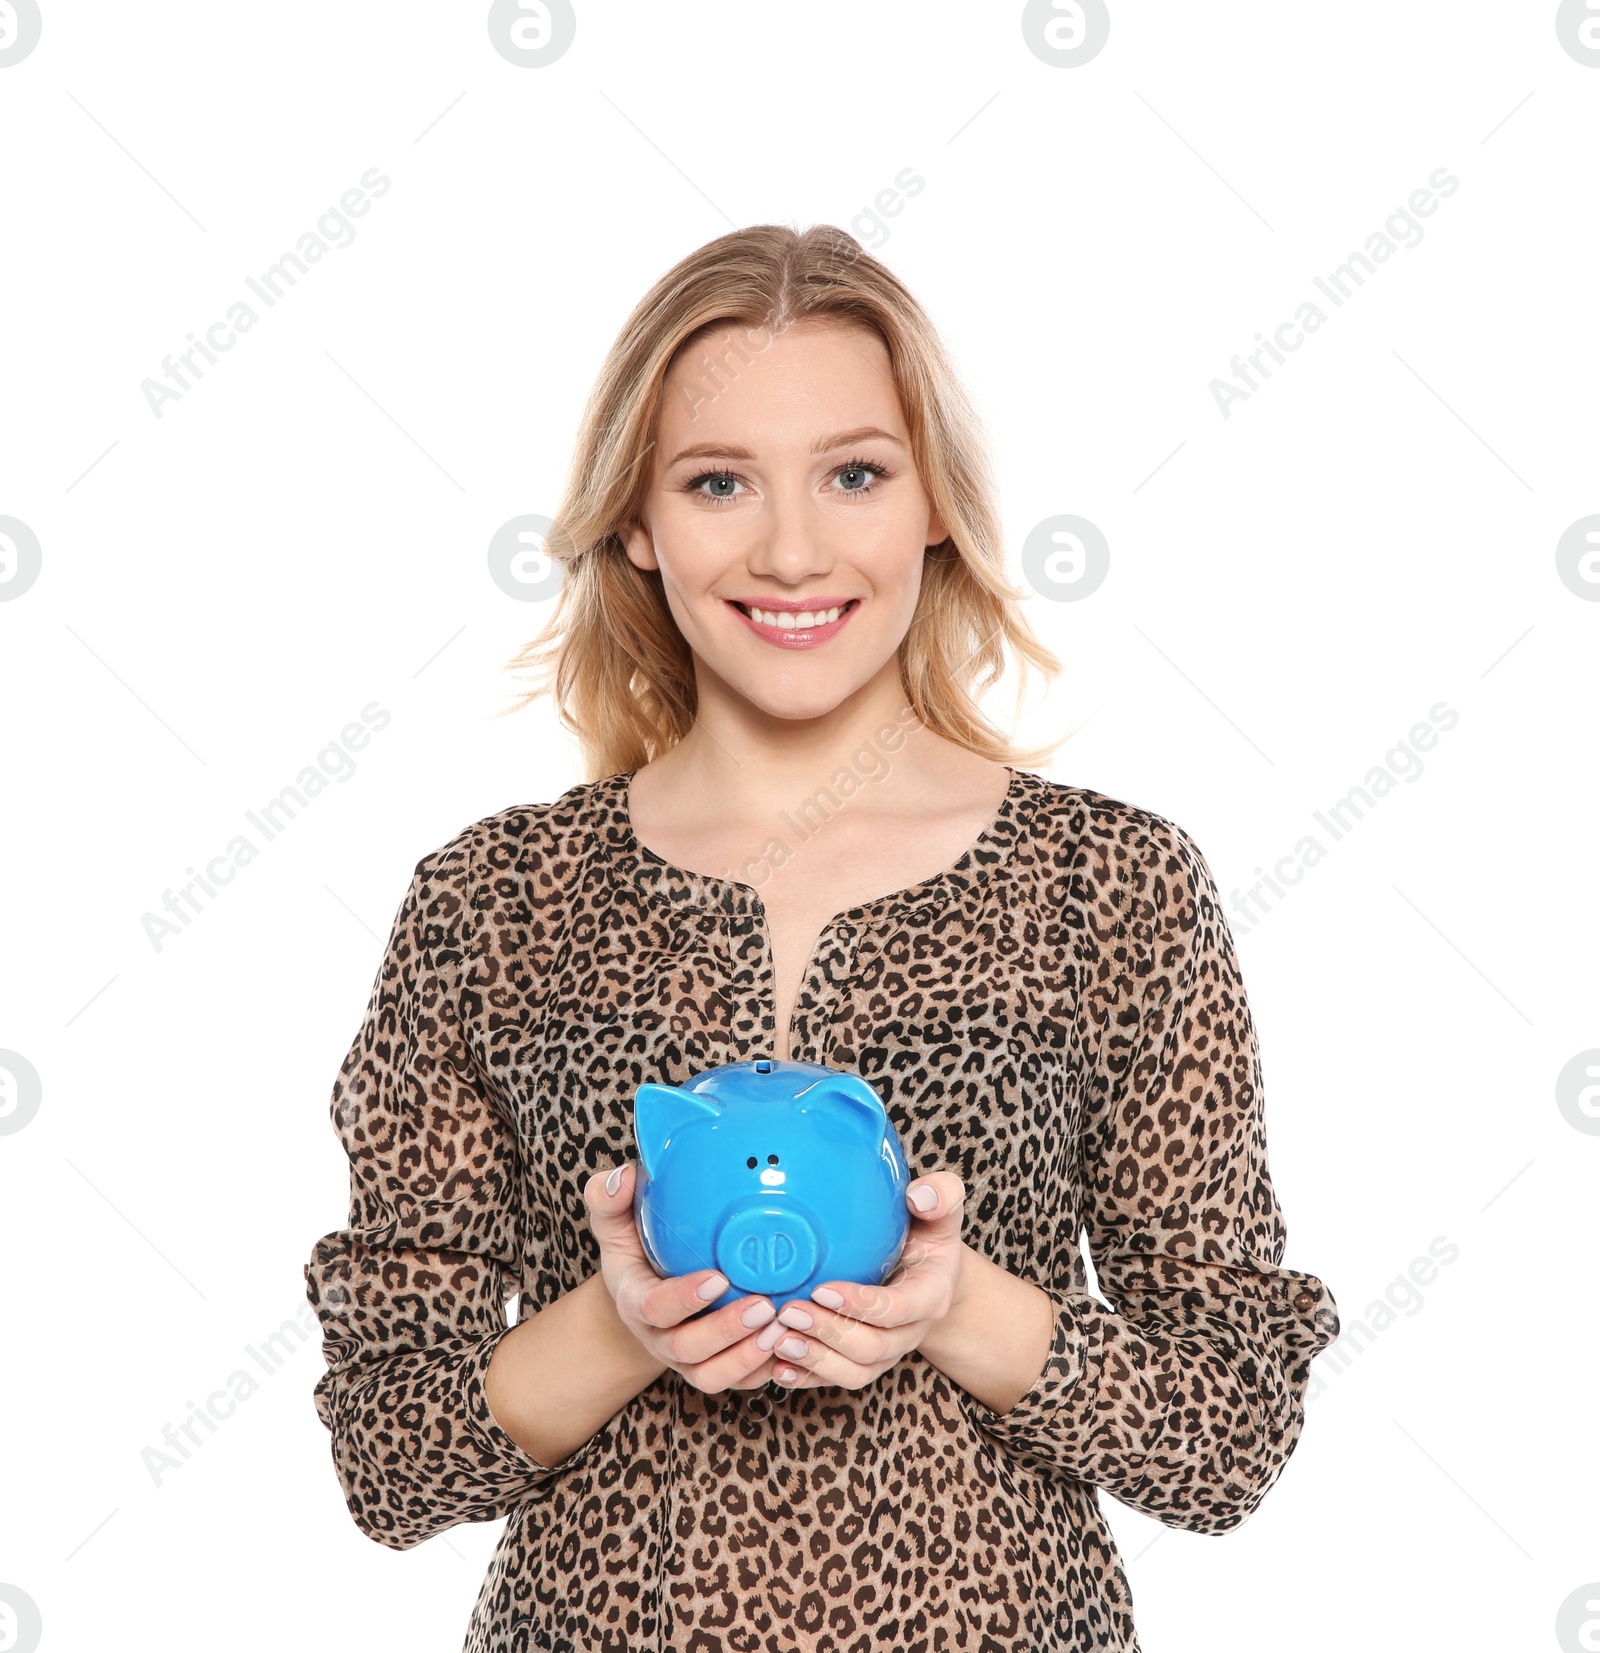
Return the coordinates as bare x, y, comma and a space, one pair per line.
797, 1317
770, 1336
924, 1197
758, 1313
714, 1287
828, 1297
794, 1347
614, 1181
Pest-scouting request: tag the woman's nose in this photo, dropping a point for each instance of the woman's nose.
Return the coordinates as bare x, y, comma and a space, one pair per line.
788, 544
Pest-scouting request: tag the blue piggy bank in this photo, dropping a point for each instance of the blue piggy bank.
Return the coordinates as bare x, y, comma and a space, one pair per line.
780, 1174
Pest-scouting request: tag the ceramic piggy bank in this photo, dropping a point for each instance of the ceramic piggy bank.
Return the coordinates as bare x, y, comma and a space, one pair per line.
782, 1175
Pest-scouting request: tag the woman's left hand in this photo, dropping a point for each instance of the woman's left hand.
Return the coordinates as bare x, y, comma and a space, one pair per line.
858, 1332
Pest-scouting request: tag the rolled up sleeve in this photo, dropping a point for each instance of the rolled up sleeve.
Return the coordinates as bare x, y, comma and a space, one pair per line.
1185, 1397
411, 1294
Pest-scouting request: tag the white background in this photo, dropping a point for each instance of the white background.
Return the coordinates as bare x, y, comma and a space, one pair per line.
1291, 588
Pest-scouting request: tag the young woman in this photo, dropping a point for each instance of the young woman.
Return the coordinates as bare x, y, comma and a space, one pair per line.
800, 839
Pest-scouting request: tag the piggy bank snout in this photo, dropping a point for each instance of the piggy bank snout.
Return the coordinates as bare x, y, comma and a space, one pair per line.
767, 1245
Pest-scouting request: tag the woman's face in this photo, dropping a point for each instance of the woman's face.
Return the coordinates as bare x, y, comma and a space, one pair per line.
782, 489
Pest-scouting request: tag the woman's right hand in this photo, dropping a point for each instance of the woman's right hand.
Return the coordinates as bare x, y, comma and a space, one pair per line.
716, 1352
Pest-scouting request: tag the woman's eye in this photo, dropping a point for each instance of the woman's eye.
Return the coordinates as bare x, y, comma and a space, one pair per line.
716, 485
858, 478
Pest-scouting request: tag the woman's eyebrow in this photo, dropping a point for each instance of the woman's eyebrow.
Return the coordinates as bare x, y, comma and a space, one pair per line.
722, 450
846, 438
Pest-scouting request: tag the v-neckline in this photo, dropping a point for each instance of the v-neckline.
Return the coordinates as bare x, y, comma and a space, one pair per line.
656, 875
661, 879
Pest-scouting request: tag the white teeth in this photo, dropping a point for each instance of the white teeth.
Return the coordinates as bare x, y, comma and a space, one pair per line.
789, 620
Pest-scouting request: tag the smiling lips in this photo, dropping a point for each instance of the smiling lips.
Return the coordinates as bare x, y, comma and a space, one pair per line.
796, 628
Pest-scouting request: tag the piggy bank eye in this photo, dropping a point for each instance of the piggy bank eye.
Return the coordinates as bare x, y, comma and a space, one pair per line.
772, 1159
751, 1162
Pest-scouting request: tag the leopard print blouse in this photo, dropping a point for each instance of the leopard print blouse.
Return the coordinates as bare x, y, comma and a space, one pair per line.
1059, 1017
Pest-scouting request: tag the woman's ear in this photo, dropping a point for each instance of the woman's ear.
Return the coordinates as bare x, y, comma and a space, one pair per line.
639, 543
937, 532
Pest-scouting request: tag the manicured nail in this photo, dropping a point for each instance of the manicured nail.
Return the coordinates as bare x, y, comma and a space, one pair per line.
794, 1347
614, 1181
758, 1314
714, 1287
828, 1297
797, 1317
787, 1373
924, 1197
770, 1336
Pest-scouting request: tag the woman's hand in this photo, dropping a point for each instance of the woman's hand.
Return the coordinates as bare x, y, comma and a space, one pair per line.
868, 1328
714, 1353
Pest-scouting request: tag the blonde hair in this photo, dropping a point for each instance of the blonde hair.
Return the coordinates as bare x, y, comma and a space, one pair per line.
622, 674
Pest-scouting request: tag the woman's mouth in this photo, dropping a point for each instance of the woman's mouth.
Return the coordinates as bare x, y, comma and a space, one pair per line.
795, 629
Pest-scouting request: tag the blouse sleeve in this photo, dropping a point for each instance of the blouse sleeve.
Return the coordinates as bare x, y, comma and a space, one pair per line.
411, 1295
1186, 1398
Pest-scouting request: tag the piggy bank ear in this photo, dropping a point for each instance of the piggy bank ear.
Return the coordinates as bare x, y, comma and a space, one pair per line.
659, 1112
850, 1100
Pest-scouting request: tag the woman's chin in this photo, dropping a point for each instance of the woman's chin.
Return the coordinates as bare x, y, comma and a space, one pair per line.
815, 700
